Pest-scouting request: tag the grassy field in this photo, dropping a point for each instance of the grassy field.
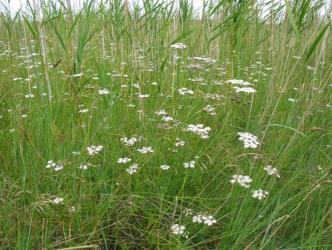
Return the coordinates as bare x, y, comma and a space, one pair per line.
150, 127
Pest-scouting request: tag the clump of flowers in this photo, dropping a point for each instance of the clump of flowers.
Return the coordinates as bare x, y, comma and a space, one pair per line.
103, 91
164, 167
210, 110
271, 170
123, 160
245, 89
239, 82
93, 150
84, 166
129, 141
187, 211
132, 169
142, 96
199, 129
190, 164
57, 200
29, 95
242, 180
178, 46
185, 91
161, 112
208, 220
179, 142
259, 194
179, 230
249, 140
53, 165
145, 150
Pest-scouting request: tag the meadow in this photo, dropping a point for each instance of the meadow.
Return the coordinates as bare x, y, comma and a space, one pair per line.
153, 127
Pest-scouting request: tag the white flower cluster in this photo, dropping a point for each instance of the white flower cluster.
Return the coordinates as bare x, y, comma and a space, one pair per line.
187, 211
53, 165
245, 89
185, 91
271, 171
239, 82
213, 96
178, 229
242, 180
179, 142
57, 200
30, 95
142, 96
132, 169
249, 140
103, 91
84, 166
208, 220
82, 111
167, 118
161, 112
178, 46
145, 150
123, 160
199, 129
210, 110
129, 142
190, 164
204, 59
93, 150
164, 167
259, 194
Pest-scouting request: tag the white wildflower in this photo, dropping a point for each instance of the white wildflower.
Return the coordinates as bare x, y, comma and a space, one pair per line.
103, 91
123, 160
161, 112
93, 150
178, 229
53, 165
145, 150
29, 95
142, 96
185, 91
132, 169
164, 167
57, 200
249, 140
271, 170
178, 46
199, 129
190, 164
259, 194
84, 166
179, 143
129, 142
239, 82
83, 111
210, 110
242, 180
208, 220
167, 118
245, 89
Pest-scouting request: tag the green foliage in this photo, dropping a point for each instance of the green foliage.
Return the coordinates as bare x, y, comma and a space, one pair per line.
112, 68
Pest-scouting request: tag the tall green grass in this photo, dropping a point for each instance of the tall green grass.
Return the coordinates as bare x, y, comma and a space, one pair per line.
63, 55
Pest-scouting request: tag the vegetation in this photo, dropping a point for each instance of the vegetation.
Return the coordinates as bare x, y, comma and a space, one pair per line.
149, 126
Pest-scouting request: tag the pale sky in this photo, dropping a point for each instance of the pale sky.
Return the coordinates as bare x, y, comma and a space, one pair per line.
15, 5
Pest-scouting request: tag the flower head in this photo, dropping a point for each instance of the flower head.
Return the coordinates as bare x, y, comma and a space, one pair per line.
178, 46
242, 180
93, 150
249, 140
259, 194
